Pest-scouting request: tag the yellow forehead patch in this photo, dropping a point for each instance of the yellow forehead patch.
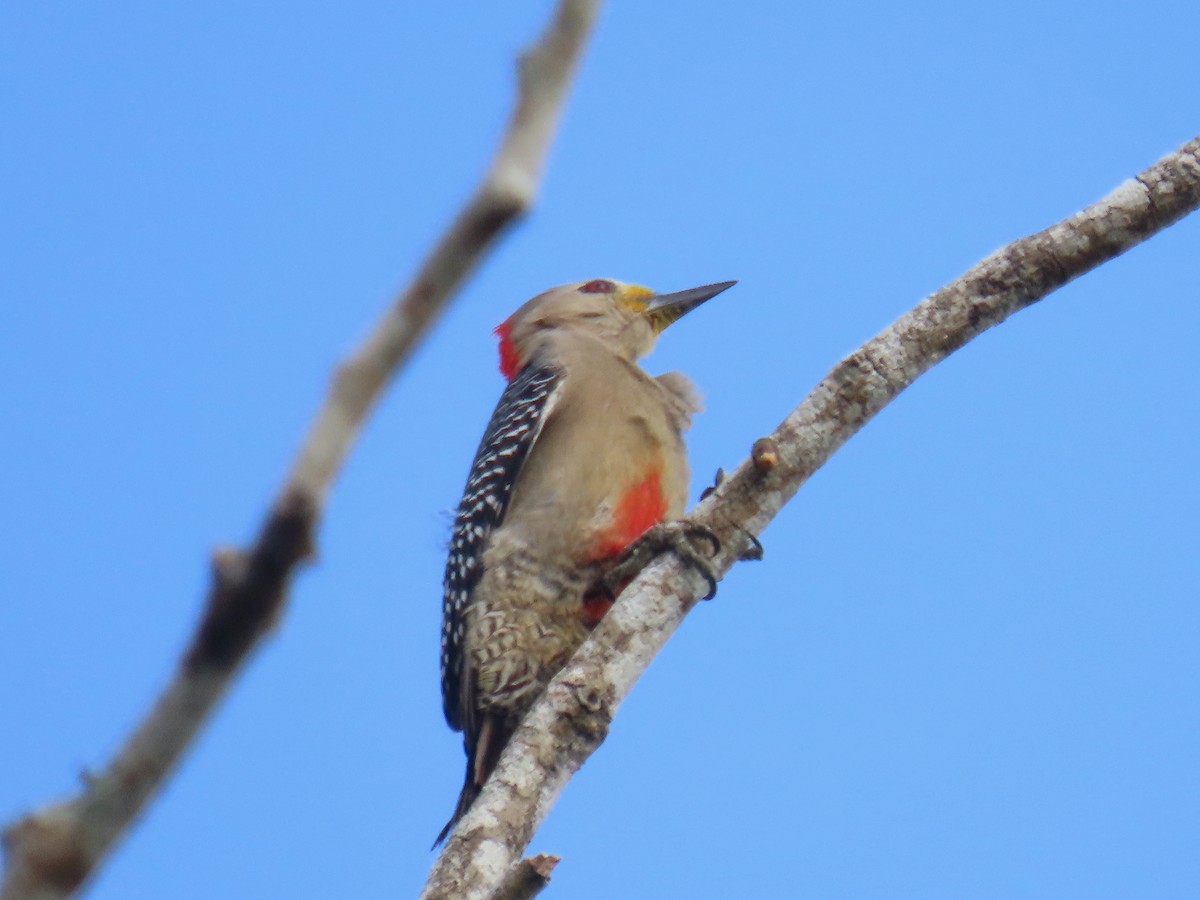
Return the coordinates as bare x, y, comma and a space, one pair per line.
634, 297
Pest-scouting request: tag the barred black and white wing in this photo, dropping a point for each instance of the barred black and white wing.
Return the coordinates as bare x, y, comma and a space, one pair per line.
515, 424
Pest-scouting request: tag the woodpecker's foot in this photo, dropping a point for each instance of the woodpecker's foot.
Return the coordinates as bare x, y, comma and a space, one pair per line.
754, 552
681, 537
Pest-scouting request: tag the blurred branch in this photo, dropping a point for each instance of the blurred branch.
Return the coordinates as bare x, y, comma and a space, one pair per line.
571, 719
50, 852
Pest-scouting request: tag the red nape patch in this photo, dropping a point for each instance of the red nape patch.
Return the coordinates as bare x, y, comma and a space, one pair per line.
641, 506
510, 362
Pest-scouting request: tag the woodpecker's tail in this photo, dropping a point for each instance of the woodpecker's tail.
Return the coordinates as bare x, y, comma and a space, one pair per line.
470, 791
482, 755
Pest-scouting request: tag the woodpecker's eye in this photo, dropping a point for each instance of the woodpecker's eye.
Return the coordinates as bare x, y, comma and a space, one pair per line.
597, 286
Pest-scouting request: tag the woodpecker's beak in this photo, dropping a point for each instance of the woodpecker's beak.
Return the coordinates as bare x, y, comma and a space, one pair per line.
663, 309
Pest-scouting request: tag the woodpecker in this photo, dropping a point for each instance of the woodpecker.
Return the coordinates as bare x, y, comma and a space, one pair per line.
583, 454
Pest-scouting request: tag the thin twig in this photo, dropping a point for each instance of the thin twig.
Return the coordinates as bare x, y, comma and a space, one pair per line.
52, 851
571, 719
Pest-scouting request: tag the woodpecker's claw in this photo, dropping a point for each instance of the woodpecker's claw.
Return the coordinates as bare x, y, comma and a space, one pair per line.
754, 552
717, 479
680, 537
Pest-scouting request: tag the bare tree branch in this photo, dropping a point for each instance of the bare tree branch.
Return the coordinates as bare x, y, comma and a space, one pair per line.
571, 719
526, 878
50, 852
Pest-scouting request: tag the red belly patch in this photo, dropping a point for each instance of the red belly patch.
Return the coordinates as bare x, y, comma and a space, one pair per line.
641, 506
594, 606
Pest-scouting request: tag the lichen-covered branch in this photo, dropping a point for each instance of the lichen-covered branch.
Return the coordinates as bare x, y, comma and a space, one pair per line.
572, 717
52, 851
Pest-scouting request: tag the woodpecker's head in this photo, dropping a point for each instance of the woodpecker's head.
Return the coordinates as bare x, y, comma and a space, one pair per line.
625, 317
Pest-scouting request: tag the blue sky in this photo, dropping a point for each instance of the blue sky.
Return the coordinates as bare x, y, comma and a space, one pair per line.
968, 666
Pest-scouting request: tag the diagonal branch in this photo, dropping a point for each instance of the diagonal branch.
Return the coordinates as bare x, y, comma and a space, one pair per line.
50, 852
571, 719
